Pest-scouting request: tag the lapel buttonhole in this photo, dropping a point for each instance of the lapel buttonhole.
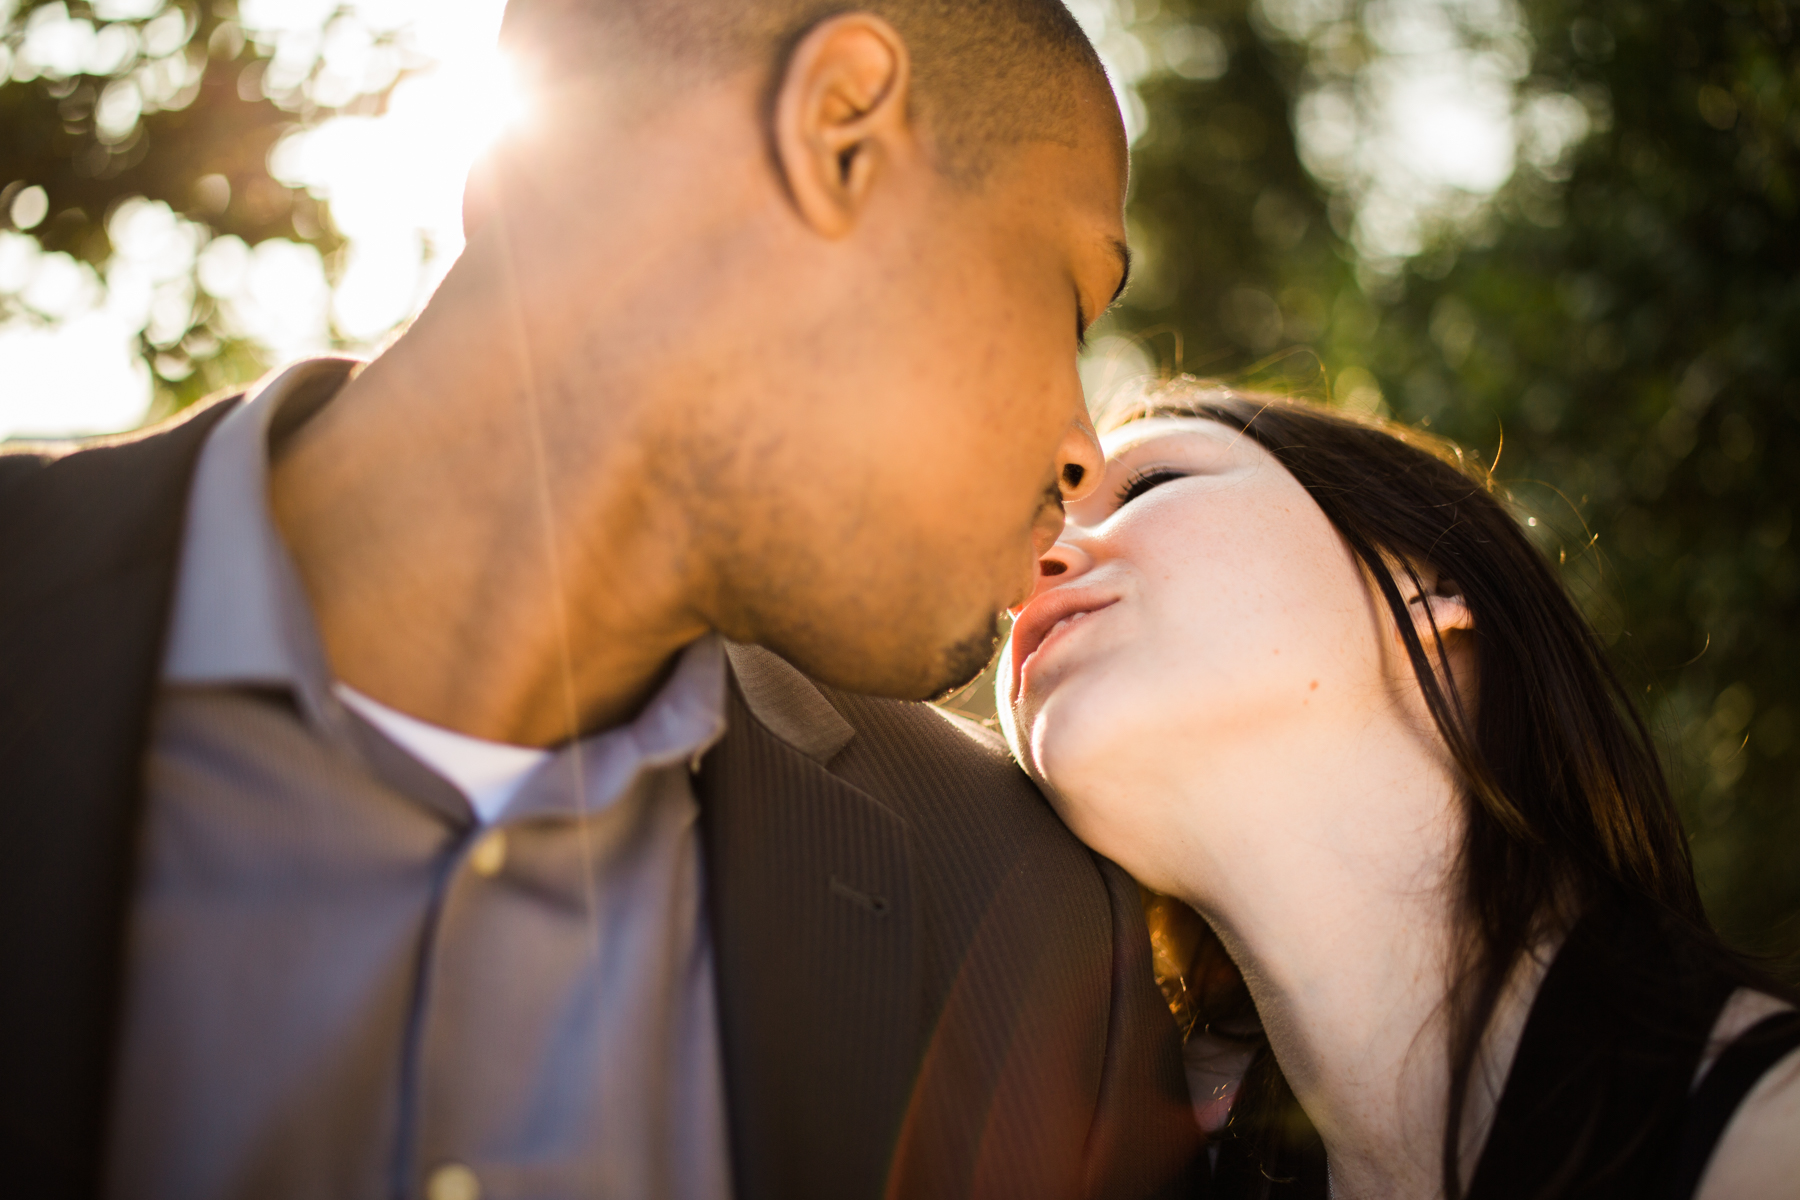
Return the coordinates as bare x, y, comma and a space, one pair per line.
875, 904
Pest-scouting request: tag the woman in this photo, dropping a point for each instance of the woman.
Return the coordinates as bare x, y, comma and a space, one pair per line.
1306, 675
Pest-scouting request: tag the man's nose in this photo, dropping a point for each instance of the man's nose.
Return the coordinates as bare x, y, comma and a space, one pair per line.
1079, 460
1048, 526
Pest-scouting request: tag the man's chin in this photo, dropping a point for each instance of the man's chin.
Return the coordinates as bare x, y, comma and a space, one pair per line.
875, 670
963, 662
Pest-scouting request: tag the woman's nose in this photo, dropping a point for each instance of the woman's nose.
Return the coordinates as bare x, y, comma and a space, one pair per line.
1061, 561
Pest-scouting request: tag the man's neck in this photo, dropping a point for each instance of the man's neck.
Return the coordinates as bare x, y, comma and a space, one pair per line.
447, 544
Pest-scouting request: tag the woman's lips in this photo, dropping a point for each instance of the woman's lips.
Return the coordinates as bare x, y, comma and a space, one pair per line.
1049, 617
1060, 626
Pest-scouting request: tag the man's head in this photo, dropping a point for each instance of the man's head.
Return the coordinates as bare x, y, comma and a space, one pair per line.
829, 268
985, 74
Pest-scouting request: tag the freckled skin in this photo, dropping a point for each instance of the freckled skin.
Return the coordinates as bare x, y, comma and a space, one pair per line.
1297, 801
1317, 839
1237, 602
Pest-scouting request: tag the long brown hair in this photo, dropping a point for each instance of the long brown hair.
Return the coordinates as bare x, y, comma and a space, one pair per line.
1564, 799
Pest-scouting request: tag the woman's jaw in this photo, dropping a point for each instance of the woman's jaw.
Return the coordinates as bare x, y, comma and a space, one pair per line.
1232, 729
1212, 624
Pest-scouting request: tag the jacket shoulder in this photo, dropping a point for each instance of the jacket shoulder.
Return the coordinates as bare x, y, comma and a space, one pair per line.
69, 508
975, 731
922, 744
90, 534
975, 816
1040, 941
20, 463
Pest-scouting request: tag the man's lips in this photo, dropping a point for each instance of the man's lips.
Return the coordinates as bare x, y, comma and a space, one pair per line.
1049, 613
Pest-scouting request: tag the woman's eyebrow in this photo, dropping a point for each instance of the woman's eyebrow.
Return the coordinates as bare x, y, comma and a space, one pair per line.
1121, 461
1160, 437
1189, 451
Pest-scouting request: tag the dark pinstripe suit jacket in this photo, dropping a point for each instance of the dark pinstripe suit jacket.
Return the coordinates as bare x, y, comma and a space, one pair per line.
927, 987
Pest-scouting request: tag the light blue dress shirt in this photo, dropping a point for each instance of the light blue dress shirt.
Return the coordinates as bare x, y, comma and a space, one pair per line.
340, 983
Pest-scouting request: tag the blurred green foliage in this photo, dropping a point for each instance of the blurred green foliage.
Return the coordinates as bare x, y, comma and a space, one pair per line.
1237, 256
175, 102
1617, 323
1621, 325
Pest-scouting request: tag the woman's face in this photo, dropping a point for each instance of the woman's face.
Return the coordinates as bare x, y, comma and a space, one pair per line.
1200, 612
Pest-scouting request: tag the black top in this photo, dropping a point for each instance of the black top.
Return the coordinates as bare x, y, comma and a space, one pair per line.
1731, 1077
1599, 1103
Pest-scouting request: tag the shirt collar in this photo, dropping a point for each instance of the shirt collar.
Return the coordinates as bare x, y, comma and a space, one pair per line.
679, 724
240, 613
242, 617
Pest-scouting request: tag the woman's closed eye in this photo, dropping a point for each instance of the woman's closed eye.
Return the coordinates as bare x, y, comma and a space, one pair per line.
1142, 481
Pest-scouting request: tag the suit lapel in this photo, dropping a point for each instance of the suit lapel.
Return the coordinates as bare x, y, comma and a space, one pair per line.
811, 900
90, 542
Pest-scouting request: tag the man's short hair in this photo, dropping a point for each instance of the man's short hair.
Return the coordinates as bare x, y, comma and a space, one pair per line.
986, 73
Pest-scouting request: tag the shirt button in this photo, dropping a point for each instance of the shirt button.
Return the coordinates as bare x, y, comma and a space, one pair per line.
453, 1181
486, 858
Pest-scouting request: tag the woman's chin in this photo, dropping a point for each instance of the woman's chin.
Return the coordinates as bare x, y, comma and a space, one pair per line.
1069, 741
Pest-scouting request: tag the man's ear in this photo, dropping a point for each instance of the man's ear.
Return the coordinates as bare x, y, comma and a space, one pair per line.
840, 117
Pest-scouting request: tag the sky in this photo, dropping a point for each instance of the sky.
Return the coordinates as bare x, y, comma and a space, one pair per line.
1429, 125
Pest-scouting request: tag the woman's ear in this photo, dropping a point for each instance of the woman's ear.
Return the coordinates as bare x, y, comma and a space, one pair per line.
1448, 610
1434, 599
840, 118
1431, 598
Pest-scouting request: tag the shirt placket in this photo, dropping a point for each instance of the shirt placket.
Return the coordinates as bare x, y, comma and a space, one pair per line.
497, 1086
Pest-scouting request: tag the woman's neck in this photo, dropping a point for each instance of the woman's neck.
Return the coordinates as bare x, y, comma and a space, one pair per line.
1344, 931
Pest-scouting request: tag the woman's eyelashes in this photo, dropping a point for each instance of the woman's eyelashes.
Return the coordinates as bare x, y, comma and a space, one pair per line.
1142, 481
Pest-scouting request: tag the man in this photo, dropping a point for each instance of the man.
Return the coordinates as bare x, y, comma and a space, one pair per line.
382, 811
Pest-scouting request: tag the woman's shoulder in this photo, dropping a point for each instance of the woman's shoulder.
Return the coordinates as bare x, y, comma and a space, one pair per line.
1758, 1154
